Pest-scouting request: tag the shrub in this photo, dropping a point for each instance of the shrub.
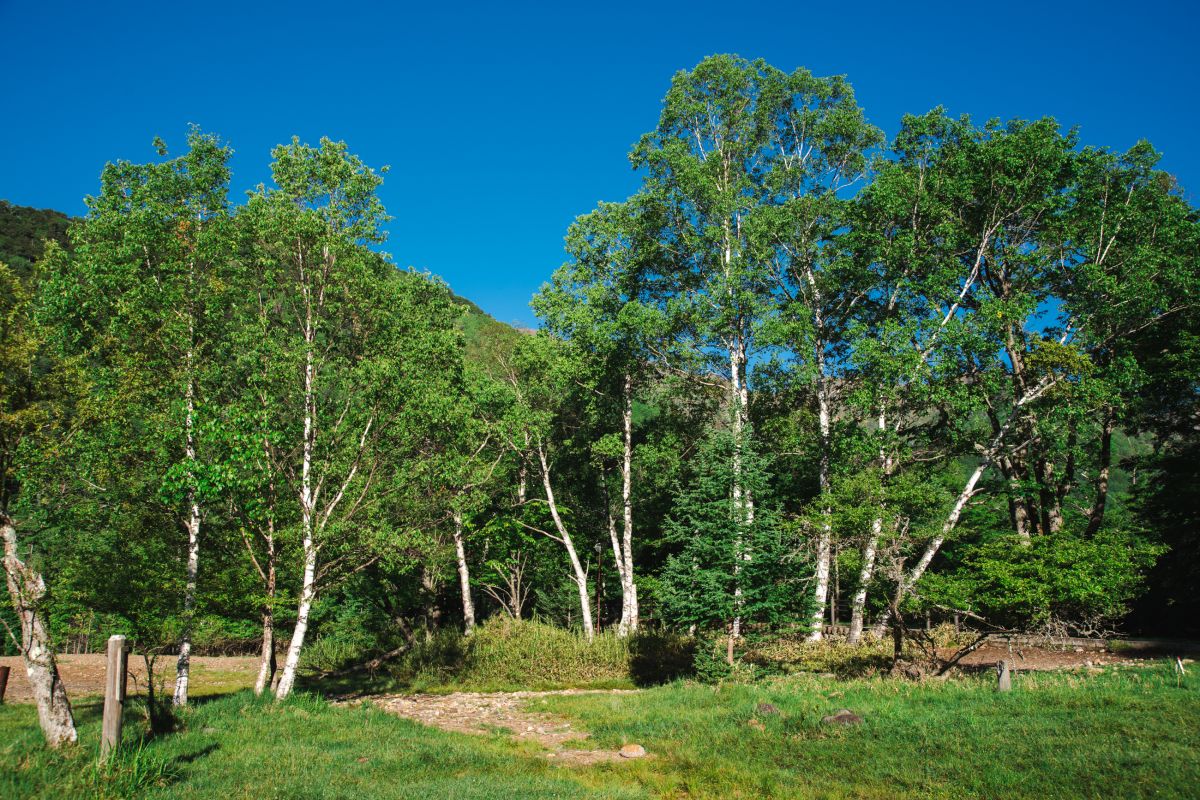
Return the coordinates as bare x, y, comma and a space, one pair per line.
1058, 579
793, 653
504, 653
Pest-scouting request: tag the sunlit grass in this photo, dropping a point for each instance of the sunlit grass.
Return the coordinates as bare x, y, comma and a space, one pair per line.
1127, 732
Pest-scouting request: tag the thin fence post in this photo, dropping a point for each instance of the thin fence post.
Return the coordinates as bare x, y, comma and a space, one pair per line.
1003, 676
114, 696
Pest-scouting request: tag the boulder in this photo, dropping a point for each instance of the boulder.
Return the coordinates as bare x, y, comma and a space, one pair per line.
843, 717
632, 751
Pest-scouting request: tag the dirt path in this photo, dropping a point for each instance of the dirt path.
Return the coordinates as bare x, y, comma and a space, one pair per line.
83, 675
502, 712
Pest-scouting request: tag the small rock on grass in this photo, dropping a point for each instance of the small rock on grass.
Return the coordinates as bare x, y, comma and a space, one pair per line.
843, 717
632, 751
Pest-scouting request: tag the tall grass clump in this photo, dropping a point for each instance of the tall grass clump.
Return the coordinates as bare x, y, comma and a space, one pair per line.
504, 653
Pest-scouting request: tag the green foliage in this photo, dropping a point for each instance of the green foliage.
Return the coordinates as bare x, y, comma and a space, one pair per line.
1083, 583
23, 233
731, 561
506, 653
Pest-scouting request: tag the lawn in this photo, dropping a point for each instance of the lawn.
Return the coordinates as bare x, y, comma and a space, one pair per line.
1128, 732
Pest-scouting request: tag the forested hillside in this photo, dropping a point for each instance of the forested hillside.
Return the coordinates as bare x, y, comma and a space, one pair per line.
23, 233
809, 381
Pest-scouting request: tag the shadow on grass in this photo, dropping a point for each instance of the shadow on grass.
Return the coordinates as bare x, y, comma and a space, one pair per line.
656, 658
188, 758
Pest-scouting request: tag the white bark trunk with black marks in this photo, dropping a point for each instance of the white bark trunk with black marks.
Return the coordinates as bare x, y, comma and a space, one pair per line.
464, 574
825, 536
624, 554
307, 518
859, 603
871, 547
26, 590
578, 573
183, 665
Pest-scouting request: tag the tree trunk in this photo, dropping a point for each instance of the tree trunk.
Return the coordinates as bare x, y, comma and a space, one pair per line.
182, 666
266, 669
825, 538
307, 512
464, 575
1096, 517
905, 584
629, 603
307, 592
859, 603
26, 590
580, 576
743, 502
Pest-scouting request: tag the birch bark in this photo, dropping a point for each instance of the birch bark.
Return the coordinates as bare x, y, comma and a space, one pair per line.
579, 575
464, 575
26, 588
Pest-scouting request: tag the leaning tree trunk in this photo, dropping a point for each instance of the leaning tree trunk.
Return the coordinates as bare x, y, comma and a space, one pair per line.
580, 576
859, 602
26, 589
464, 575
308, 588
308, 592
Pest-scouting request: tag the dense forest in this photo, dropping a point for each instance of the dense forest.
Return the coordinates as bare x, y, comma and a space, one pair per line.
807, 381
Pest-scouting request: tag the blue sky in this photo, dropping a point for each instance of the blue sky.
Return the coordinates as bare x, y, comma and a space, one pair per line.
503, 122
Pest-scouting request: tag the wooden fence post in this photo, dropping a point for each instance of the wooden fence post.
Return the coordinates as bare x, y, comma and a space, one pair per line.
114, 696
3, 682
1003, 677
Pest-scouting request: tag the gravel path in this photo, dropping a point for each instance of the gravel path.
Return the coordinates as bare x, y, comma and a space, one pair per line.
504, 713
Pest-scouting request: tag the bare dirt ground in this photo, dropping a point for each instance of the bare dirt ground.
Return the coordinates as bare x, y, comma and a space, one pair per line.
1040, 658
502, 712
83, 675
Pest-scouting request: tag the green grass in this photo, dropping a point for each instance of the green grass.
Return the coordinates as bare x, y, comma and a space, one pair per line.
1118, 734
238, 747
1124, 733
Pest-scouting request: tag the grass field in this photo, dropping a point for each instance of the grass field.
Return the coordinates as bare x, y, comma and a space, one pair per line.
1132, 732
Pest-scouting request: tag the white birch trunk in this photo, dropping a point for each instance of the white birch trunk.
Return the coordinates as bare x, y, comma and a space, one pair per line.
859, 603
464, 575
580, 576
183, 665
287, 679
743, 503
619, 559
307, 513
26, 589
629, 603
825, 537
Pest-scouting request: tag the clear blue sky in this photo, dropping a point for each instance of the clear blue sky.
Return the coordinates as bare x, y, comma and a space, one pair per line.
504, 121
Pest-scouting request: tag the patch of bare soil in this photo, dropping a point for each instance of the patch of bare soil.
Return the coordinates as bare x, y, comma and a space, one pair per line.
83, 675
502, 712
1040, 658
